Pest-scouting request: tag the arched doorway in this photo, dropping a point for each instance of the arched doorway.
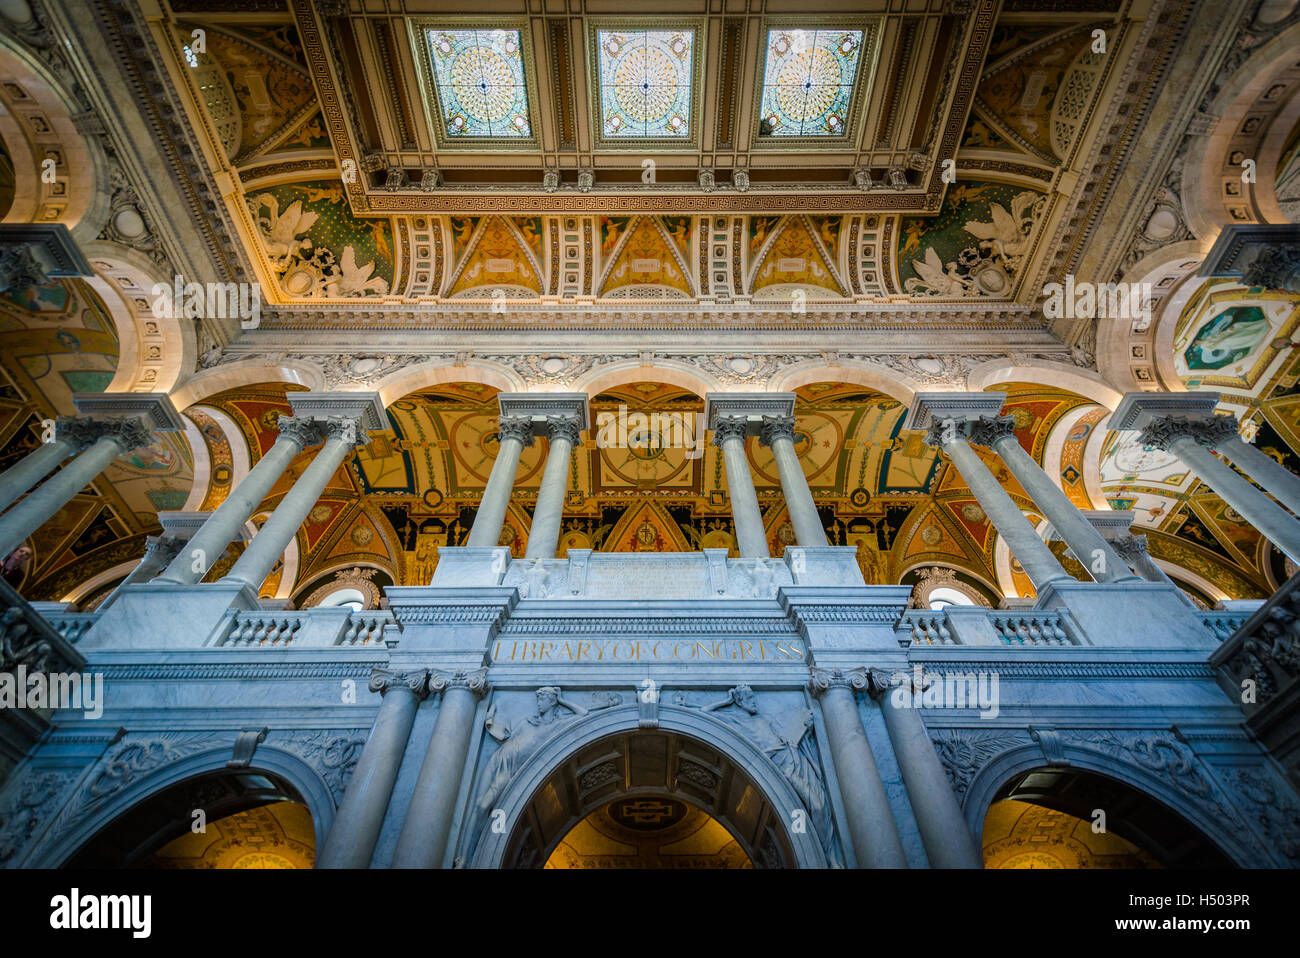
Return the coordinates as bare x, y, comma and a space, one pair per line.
1071, 818
244, 819
649, 799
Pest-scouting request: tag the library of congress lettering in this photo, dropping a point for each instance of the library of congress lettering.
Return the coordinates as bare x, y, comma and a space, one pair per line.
685, 435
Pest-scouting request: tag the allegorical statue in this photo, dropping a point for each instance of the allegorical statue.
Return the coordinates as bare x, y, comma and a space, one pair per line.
787, 744
519, 743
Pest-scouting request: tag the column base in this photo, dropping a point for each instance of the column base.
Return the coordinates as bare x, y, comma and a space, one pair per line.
1147, 615
149, 615
470, 566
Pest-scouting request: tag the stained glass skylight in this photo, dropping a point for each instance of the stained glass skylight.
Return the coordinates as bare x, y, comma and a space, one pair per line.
808, 82
479, 75
645, 82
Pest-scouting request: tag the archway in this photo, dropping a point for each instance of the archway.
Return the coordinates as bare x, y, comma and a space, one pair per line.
689, 759
224, 819
1072, 818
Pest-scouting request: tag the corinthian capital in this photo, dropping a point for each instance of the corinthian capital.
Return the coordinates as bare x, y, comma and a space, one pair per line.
162, 548
77, 432
417, 681
300, 430
776, 427
474, 680
516, 427
347, 429
128, 432
564, 427
821, 681
729, 427
987, 430
1161, 432
1129, 547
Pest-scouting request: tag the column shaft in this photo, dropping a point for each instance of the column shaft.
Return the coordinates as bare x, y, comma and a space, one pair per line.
277, 532
778, 433
750, 538
355, 831
947, 839
423, 839
158, 551
53, 494
220, 529
491, 515
870, 821
1276, 524
31, 469
1021, 538
1079, 534
1277, 479
544, 536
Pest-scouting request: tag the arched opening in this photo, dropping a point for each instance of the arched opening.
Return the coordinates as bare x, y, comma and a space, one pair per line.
1070, 818
649, 799
227, 819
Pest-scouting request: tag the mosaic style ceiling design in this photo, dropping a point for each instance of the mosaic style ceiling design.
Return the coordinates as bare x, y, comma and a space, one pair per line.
645, 82
385, 228
808, 82
479, 75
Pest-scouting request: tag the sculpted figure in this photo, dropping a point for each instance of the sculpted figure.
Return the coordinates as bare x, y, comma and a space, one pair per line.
787, 745
519, 743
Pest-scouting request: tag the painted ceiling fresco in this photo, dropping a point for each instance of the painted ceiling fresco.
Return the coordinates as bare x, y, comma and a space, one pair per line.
55, 341
1037, 91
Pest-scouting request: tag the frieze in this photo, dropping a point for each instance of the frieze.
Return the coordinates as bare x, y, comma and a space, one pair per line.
712, 650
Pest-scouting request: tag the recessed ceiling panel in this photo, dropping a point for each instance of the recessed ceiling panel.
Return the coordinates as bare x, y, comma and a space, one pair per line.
645, 83
808, 81
479, 78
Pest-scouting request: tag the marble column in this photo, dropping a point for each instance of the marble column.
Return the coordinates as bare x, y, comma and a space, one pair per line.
866, 806
209, 543
729, 436
35, 466
427, 825
355, 830
1021, 537
1133, 550
343, 434
778, 433
1087, 544
1276, 479
947, 839
158, 551
544, 536
1191, 439
111, 438
515, 434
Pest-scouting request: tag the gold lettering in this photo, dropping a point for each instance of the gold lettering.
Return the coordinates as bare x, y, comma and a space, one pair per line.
702, 647
678, 655
544, 650
746, 649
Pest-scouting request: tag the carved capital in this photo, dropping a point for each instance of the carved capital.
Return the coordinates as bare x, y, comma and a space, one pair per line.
776, 427
77, 432
516, 427
128, 432
1208, 431
938, 432
162, 549
987, 430
475, 681
882, 680
1129, 547
821, 681
417, 681
564, 427
729, 427
301, 430
346, 429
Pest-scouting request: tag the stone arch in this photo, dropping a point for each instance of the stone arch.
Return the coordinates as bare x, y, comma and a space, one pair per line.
491, 848
875, 376
1082, 382
156, 350
436, 372
1203, 172
248, 372
41, 125
990, 780
674, 372
300, 776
